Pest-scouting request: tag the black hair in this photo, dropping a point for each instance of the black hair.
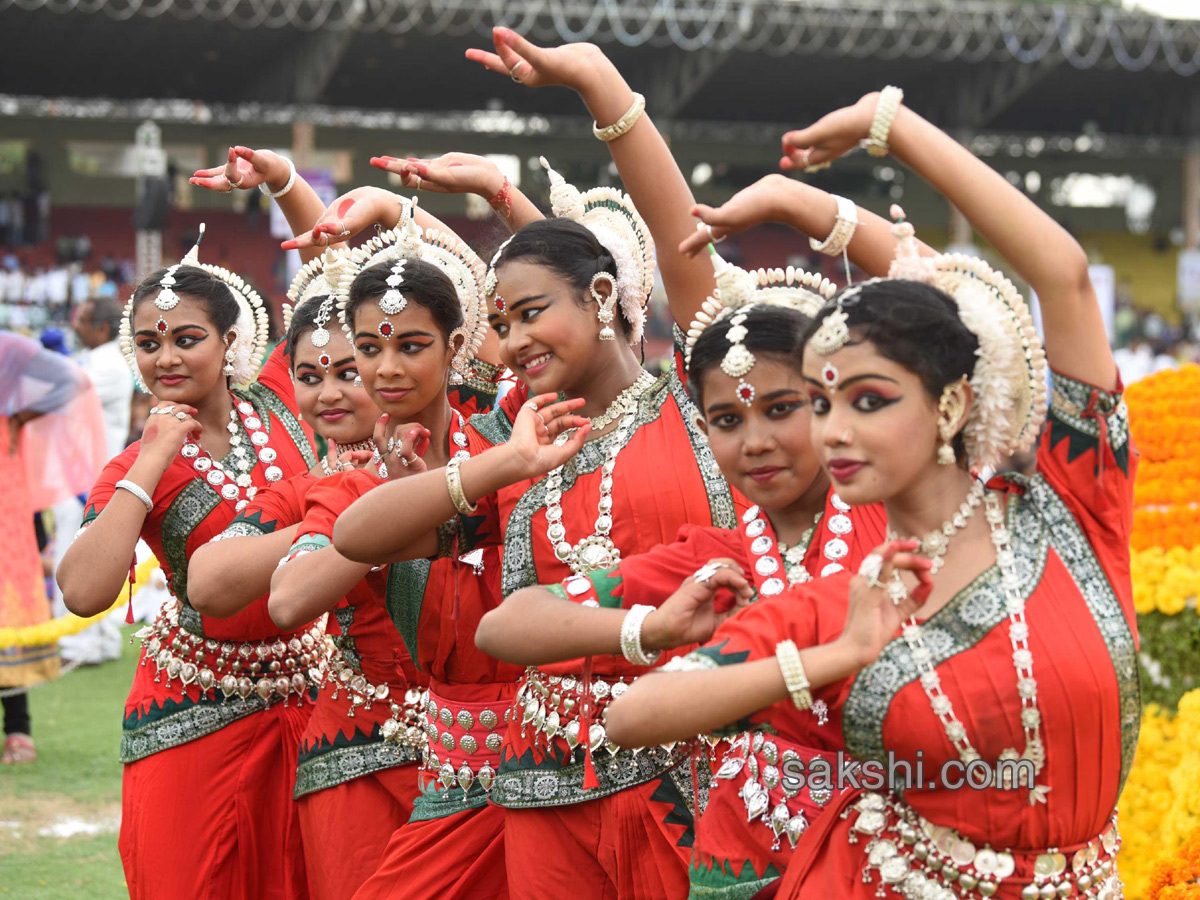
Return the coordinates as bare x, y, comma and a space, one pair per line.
771, 330
304, 320
423, 283
914, 325
194, 282
567, 248
105, 311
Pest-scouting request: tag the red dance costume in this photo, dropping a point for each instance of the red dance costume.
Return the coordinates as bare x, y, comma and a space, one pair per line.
215, 711
627, 833
453, 846
735, 857
358, 775
1069, 533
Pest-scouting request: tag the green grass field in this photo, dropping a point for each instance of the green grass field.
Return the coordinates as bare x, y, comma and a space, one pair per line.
74, 789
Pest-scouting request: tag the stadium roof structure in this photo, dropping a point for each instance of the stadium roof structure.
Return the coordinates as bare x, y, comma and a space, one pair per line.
721, 71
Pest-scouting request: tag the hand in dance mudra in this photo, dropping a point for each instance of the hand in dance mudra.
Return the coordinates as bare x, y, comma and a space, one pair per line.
167, 427
402, 446
352, 212
450, 173
830, 137
689, 616
545, 435
245, 169
570, 65
881, 601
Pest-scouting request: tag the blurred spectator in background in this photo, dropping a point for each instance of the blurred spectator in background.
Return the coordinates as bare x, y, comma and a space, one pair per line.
96, 322
51, 446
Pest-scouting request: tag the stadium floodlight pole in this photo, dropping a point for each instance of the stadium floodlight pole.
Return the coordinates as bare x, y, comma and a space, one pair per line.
149, 218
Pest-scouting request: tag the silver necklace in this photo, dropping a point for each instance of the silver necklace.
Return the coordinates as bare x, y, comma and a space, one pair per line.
618, 406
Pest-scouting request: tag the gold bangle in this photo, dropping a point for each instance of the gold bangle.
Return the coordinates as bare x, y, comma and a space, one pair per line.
454, 485
793, 674
623, 124
881, 125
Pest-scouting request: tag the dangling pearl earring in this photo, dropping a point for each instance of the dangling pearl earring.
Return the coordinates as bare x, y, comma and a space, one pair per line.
950, 408
229, 358
606, 309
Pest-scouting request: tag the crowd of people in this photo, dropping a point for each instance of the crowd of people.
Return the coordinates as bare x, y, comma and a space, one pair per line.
598, 631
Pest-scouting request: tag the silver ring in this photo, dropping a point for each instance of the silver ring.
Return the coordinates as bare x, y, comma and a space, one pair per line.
418, 177
707, 571
512, 73
870, 569
236, 184
166, 410
181, 416
345, 232
153, 411
712, 239
897, 590
532, 404
391, 446
405, 462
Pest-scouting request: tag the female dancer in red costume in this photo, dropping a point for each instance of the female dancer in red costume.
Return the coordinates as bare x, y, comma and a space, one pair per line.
214, 715
918, 382
358, 752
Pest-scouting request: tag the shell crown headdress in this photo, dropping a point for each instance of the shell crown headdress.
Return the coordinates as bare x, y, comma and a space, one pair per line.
447, 252
252, 327
739, 290
1009, 378
319, 277
611, 216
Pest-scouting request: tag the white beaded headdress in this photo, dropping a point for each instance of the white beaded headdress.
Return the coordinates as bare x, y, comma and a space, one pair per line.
252, 327
738, 292
407, 241
738, 289
1009, 378
320, 277
610, 215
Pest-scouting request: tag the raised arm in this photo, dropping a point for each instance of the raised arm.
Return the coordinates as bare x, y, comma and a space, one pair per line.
96, 565
648, 170
465, 173
399, 520
1040, 250
539, 625
810, 210
310, 584
225, 576
246, 169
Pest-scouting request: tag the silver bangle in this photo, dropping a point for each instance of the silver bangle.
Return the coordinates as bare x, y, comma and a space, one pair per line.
126, 485
291, 182
844, 227
631, 637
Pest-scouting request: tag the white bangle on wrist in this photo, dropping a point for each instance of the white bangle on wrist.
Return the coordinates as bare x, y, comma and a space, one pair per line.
126, 485
844, 227
793, 674
881, 124
291, 182
631, 637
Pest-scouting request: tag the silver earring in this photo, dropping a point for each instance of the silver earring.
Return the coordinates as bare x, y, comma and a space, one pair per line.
229, 359
606, 309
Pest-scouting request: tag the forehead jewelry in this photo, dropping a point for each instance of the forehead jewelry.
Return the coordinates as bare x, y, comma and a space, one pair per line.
738, 360
161, 325
320, 335
490, 282
392, 302
830, 376
501, 306
167, 298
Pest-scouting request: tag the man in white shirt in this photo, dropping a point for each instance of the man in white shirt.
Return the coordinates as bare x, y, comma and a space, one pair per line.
97, 322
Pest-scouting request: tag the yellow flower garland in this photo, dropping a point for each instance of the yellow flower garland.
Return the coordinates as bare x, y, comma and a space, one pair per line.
50, 632
1160, 806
